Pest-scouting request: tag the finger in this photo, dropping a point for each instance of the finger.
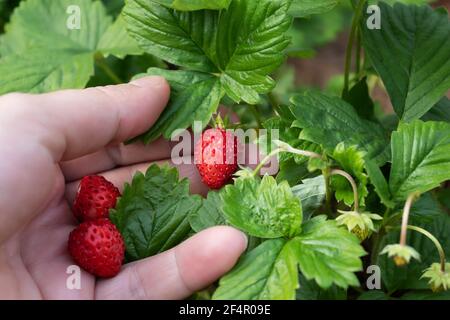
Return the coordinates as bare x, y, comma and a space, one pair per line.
111, 157
122, 175
74, 123
179, 272
114, 156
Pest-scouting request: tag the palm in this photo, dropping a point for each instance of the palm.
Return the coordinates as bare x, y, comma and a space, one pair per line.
40, 253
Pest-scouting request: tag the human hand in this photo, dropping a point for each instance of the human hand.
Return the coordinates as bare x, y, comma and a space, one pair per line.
47, 143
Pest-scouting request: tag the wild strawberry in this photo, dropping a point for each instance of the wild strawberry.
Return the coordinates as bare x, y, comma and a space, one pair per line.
216, 157
95, 197
98, 247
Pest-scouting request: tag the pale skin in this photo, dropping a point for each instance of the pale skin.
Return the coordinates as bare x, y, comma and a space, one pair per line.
48, 142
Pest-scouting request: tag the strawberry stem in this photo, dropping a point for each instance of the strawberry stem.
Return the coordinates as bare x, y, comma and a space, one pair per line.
264, 161
353, 32
284, 147
352, 183
406, 210
435, 241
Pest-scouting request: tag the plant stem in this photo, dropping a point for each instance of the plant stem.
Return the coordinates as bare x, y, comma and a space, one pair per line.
353, 184
266, 158
405, 217
328, 194
358, 54
285, 148
348, 53
305, 153
101, 63
435, 241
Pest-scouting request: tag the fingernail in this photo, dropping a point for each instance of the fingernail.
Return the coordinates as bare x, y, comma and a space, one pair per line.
244, 236
149, 81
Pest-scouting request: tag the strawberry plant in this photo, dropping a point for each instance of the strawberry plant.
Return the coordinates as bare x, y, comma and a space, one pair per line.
358, 188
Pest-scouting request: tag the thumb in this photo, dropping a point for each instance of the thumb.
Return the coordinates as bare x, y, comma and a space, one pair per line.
79, 122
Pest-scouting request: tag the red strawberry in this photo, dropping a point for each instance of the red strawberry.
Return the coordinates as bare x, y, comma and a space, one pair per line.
216, 157
98, 247
95, 197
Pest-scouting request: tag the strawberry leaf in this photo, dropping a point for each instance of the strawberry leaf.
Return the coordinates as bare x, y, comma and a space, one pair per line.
328, 121
247, 59
42, 52
311, 194
41, 70
328, 254
206, 41
182, 38
262, 208
195, 97
420, 157
305, 8
419, 39
267, 272
378, 180
352, 161
190, 5
440, 112
116, 41
309, 290
152, 214
209, 214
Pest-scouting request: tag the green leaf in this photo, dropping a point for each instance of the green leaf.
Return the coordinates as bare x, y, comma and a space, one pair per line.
328, 254
206, 41
328, 121
440, 112
291, 172
425, 209
268, 272
44, 24
209, 214
426, 295
373, 295
359, 98
351, 160
117, 42
263, 208
304, 8
419, 39
43, 50
41, 53
409, 277
41, 70
311, 194
247, 59
190, 5
420, 157
182, 38
309, 290
379, 182
195, 97
152, 214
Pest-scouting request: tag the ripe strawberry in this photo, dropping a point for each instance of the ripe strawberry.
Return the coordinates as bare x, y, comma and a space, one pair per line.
95, 197
98, 247
216, 157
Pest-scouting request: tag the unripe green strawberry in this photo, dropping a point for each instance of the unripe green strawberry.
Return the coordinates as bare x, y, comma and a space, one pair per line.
98, 247
95, 197
216, 157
